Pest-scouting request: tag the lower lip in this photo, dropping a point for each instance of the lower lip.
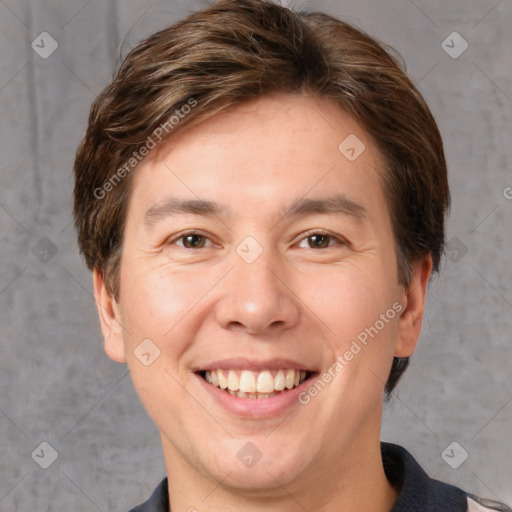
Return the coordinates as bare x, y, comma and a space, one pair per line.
256, 407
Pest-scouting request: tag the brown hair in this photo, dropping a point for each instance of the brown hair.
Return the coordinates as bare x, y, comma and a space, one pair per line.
235, 51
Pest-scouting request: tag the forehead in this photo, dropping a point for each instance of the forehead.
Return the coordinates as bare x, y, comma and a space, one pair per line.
262, 152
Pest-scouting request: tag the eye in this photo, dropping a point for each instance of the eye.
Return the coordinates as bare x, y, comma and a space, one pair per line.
320, 241
191, 241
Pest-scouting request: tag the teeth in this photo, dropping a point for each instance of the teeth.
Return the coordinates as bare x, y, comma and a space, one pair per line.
240, 394
248, 384
279, 380
265, 382
223, 382
233, 383
290, 379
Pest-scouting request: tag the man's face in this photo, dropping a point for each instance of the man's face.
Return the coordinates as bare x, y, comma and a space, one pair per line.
255, 250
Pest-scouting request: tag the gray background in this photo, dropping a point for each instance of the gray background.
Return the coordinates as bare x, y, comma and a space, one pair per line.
56, 384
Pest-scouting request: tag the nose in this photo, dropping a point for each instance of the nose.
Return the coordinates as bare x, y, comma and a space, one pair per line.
258, 297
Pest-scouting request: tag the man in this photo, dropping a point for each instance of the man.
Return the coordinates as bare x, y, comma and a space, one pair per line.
261, 195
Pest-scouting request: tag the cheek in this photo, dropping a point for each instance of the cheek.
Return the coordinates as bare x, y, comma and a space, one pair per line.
164, 304
153, 302
351, 300
156, 305
360, 311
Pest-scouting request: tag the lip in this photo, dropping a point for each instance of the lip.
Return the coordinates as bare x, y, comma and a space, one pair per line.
241, 363
256, 408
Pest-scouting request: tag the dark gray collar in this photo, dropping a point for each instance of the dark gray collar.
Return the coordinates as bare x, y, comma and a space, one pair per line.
417, 492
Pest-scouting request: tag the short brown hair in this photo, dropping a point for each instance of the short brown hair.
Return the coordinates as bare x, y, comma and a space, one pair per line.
238, 50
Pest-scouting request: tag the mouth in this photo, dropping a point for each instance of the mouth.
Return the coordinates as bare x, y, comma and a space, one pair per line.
248, 384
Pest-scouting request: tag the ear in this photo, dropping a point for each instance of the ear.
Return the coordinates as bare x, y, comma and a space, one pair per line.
110, 319
415, 297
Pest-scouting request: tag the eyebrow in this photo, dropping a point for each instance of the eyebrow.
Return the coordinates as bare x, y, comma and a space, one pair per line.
337, 204
171, 207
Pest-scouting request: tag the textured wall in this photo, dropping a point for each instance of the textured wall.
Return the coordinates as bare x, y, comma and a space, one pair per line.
56, 384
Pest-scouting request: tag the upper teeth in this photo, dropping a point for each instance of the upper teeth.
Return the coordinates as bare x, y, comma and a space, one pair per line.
252, 382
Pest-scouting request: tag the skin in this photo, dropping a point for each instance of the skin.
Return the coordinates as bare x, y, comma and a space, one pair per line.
296, 300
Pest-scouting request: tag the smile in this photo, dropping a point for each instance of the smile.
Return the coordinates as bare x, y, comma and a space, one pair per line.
252, 384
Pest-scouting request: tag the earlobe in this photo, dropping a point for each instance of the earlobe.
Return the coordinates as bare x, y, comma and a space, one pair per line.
415, 297
110, 319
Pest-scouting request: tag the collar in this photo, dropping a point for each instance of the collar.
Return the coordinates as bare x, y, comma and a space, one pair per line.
417, 492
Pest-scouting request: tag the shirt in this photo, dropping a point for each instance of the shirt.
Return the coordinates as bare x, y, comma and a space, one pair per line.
417, 492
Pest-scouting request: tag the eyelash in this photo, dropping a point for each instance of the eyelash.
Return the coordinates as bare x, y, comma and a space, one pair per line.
337, 240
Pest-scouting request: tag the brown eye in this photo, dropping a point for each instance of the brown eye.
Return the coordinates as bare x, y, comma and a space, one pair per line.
319, 241
193, 241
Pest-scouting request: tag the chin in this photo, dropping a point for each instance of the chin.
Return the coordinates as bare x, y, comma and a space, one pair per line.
257, 463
